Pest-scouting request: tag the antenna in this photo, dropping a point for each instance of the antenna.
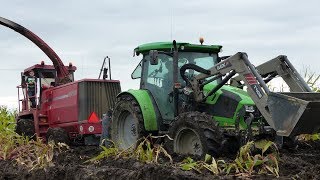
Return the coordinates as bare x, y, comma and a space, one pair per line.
171, 23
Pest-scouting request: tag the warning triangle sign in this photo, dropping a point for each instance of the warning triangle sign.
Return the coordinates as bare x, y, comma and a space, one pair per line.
93, 118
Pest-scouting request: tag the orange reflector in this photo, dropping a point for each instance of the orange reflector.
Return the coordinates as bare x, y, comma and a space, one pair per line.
93, 118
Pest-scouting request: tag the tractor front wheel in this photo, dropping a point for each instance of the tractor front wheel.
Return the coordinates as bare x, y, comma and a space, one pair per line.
195, 133
127, 123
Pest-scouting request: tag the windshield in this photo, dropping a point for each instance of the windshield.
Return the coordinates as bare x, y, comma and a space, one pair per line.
204, 60
47, 78
162, 74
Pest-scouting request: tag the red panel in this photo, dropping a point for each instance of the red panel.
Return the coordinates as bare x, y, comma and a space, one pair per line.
90, 128
62, 104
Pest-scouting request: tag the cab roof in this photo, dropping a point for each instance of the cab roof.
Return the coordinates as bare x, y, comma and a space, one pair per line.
182, 46
38, 67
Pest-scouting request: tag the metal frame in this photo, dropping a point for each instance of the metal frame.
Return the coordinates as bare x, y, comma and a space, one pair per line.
287, 114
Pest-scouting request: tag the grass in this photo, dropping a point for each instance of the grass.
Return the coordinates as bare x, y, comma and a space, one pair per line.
246, 163
255, 157
146, 151
33, 154
7, 120
312, 80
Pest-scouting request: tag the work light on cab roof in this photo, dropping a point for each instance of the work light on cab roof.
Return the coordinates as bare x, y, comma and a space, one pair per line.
201, 40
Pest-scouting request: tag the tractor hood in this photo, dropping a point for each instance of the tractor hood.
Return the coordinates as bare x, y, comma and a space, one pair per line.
242, 95
227, 101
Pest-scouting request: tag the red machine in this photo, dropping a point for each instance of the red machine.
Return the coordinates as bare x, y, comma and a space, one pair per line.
64, 110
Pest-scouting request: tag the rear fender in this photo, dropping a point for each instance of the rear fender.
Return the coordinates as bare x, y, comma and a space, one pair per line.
147, 108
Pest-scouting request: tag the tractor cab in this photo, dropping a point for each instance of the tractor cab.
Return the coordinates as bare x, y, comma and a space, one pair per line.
158, 70
35, 80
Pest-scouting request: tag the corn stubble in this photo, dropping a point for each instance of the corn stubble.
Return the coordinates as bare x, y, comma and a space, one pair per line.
146, 152
260, 157
247, 162
33, 154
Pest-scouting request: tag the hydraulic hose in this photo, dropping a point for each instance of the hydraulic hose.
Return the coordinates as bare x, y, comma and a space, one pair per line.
194, 67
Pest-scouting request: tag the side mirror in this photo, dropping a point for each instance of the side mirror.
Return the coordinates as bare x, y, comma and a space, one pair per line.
153, 57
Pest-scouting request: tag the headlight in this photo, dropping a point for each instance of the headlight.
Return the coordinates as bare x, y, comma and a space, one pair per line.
249, 108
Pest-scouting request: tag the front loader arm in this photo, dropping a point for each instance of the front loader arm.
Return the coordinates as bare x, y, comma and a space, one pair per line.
279, 66
288, 113
237, 64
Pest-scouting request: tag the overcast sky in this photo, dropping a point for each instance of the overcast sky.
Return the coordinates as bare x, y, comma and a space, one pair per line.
84, 32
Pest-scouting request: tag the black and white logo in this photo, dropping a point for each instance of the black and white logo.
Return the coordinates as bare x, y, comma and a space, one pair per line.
223, 65
257, 90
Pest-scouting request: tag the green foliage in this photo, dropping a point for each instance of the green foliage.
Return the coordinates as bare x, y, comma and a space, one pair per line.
312, 80
145, 151
148, 152
33, 154
106, 152
309, 137
246, 162
8, 138
36, 154
7, 120
189, 164
210, 164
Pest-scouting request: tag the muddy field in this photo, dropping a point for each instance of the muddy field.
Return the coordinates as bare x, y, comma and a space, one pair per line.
302, 163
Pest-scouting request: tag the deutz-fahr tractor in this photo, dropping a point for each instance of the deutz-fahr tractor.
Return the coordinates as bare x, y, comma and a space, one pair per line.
197, 97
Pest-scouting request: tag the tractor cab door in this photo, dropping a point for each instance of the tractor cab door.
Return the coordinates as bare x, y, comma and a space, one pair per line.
158, 79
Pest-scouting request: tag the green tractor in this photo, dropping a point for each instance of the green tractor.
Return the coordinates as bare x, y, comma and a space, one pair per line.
196, 97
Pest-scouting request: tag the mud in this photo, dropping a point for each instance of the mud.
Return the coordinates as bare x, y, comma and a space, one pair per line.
301, 163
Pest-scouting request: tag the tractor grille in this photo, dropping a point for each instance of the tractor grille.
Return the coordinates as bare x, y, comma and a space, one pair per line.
96, 96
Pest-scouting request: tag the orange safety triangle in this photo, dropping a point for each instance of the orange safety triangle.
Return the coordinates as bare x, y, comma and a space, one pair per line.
93, 118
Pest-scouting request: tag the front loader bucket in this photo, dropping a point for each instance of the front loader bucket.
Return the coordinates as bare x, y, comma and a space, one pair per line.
295, 113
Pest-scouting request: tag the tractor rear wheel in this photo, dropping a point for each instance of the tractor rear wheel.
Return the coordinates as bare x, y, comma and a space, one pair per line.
127, 123
195, 133
57, 135
25, 127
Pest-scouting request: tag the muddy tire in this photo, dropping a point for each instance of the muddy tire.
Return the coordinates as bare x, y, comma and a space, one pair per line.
57, 135
195, 133
127, 125
25, 127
